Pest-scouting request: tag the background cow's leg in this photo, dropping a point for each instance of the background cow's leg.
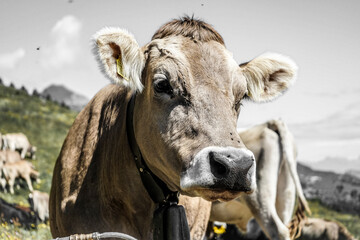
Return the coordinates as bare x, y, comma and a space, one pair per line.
28, 181
3, 184
266, 216
23, 153
262, 201
286, 193
11, 183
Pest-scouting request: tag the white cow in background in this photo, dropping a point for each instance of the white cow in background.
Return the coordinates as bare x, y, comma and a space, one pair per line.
273, 202
18, 141
39, 202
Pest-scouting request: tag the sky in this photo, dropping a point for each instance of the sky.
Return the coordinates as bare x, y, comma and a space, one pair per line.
49, 42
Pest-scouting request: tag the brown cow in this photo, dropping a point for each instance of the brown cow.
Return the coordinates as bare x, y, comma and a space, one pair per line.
39, 202
323, 229
188, 91
9, 156
21, 169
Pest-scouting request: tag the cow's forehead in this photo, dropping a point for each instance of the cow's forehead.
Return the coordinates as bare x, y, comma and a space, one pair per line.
204, 60
166, 48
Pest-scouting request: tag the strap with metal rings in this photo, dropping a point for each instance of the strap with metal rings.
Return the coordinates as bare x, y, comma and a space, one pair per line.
97, 236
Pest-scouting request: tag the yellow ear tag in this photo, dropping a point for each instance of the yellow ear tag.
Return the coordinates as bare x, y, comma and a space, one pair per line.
119, 68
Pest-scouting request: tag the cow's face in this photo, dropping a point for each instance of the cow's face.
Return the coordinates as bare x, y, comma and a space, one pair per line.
186, 110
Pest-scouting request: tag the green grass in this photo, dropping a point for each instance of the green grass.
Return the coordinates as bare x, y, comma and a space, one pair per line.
11, 232
46, 124
351, 222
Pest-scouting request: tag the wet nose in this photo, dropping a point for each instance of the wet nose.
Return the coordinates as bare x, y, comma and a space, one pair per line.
232, 168
221, 163
221, 169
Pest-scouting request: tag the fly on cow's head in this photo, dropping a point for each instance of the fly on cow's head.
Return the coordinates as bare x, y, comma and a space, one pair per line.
189, 91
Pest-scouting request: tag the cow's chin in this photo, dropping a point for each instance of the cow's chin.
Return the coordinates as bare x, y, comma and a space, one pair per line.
217, 195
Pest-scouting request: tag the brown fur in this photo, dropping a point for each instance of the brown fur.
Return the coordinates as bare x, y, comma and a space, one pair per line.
190, 28
92, 140
9, 156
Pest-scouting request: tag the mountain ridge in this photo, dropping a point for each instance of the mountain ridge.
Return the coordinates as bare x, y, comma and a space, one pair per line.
63, 95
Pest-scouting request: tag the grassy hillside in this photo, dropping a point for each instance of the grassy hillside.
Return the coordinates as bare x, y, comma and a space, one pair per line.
46, 124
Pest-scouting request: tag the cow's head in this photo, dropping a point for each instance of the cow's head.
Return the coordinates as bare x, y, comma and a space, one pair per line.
189, 93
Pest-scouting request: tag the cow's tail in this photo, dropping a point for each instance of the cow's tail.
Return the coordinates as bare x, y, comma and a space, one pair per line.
289, 158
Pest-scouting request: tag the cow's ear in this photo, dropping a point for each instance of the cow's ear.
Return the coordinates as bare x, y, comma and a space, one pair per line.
268, 76
120, 57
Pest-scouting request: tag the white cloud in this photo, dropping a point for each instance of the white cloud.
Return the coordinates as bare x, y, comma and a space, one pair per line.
65, 44
10, 60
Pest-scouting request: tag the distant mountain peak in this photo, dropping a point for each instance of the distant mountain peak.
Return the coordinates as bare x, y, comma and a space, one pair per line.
61, 94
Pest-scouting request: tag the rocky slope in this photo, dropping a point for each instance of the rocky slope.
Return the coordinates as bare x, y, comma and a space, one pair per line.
340, 192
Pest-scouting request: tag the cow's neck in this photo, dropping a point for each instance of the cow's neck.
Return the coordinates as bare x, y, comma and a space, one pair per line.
123, 191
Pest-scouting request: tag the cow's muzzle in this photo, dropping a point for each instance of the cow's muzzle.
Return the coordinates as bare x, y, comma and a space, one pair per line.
218, 171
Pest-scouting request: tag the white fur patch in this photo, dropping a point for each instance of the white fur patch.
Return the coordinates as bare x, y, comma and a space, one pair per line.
132, 57
269, 75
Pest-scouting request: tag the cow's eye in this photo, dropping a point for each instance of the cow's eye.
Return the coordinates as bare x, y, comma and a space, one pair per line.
237, 105
162, 85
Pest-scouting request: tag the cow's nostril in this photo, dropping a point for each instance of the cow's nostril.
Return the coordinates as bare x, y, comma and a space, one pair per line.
218, 168
247, 164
